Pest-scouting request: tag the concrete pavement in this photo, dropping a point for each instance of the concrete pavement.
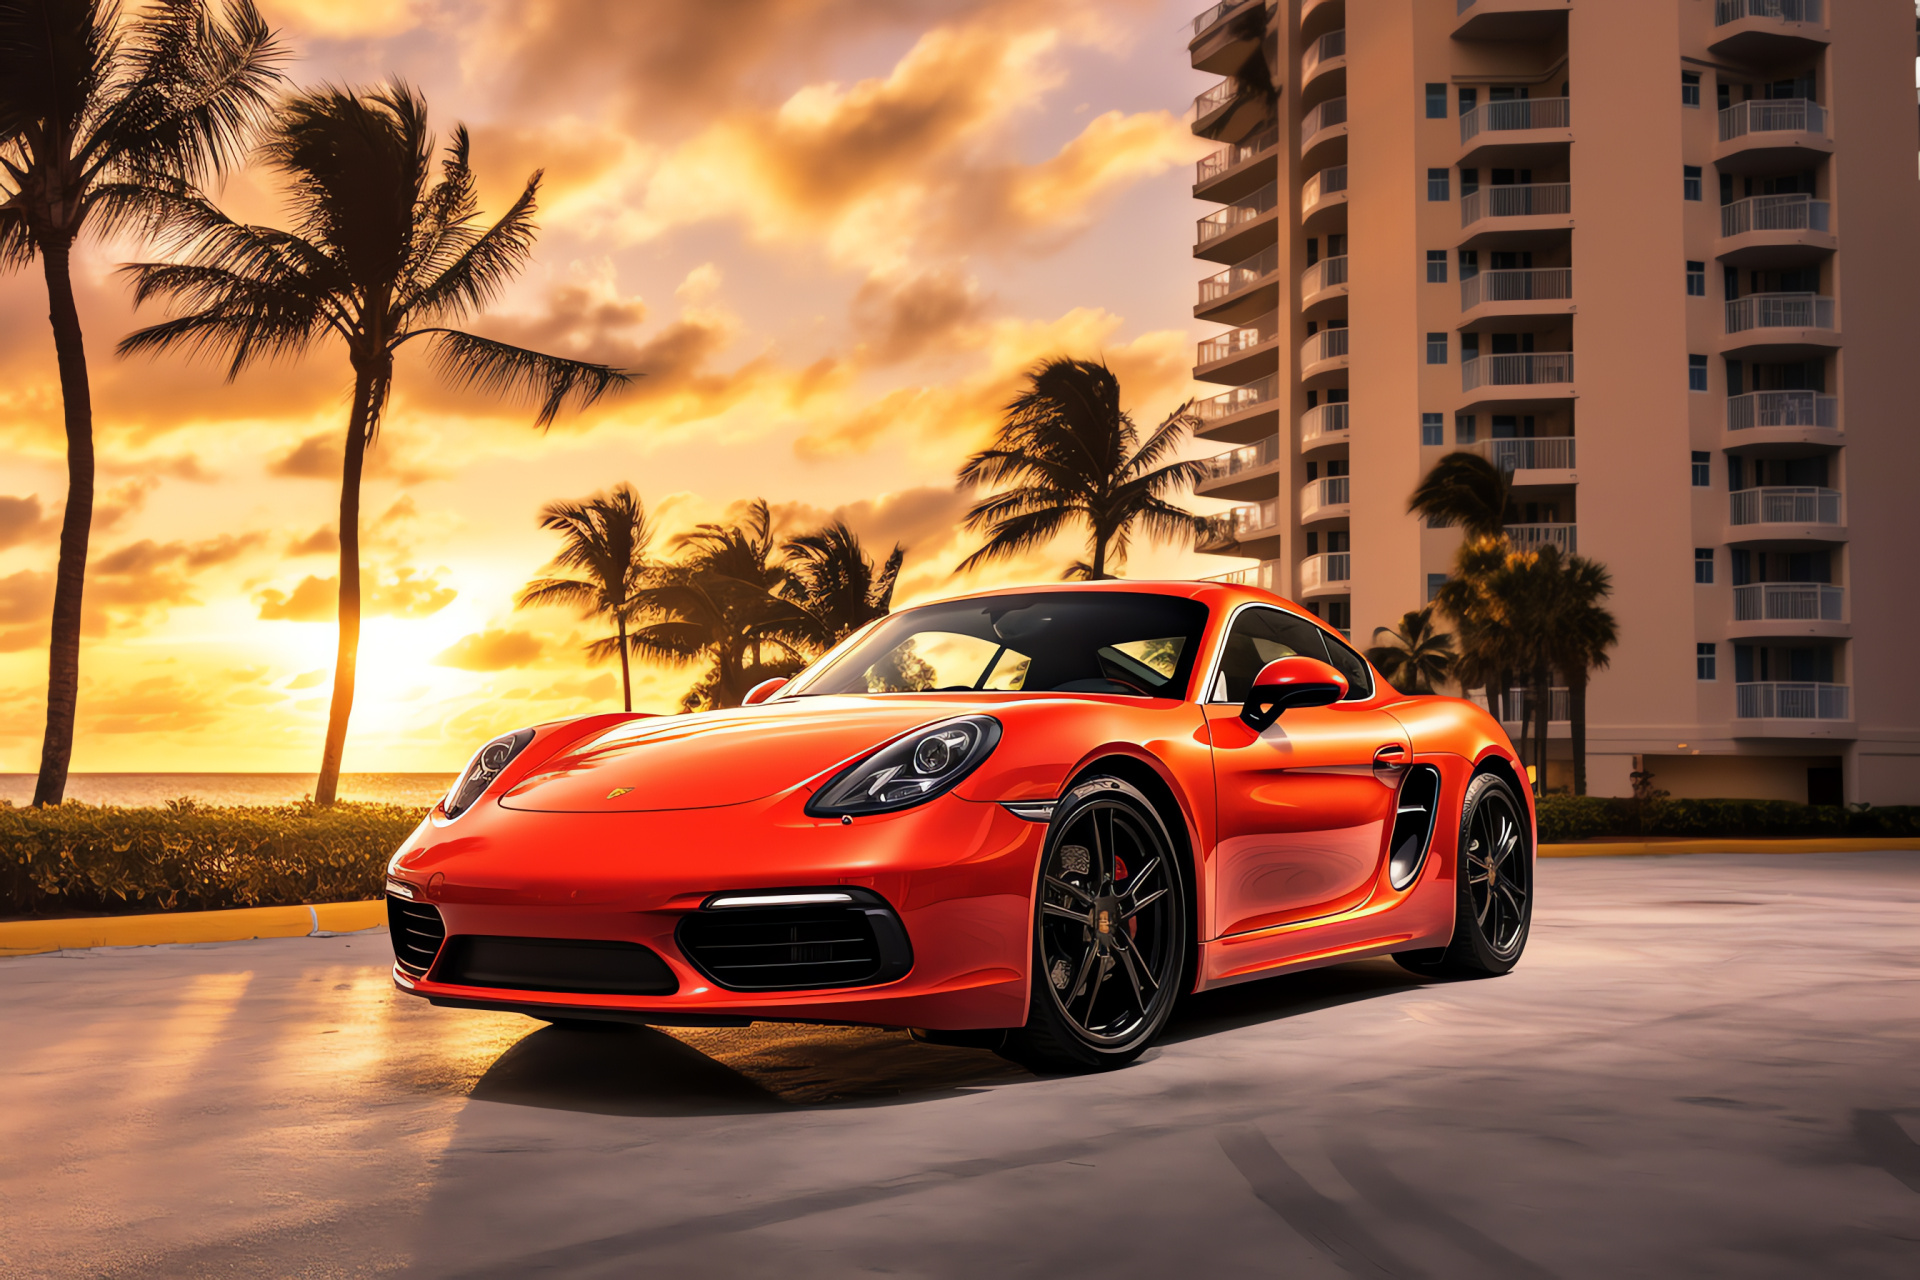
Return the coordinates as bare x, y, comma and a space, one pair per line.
1703, 1066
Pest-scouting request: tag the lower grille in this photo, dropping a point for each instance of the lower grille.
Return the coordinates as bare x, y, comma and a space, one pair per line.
417, 931
584, 967
796, 948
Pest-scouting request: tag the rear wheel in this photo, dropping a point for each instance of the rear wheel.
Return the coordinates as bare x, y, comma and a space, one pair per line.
1109, 934
1494, 906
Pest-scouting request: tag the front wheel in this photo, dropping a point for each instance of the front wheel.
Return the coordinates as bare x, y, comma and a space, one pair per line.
1109, 934
1493, 908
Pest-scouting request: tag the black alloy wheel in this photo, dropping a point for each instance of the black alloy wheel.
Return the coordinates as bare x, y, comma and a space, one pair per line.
1110, 933
1493, 907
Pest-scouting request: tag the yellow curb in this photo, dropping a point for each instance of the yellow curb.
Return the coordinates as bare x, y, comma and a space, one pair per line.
1817, 844
30, 937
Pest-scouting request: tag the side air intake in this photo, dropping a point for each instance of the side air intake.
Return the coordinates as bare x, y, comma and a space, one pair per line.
1413, 824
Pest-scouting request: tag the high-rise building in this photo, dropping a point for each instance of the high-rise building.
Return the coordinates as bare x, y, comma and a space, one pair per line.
1655, 259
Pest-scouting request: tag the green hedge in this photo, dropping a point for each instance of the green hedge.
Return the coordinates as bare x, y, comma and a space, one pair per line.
80, 858
1564, 818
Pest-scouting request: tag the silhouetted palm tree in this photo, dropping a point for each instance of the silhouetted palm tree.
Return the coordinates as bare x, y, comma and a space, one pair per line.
1584, 630
1465, 489
606, 538
380, 255
1067, 454
830, 577
101, 120
1417, 656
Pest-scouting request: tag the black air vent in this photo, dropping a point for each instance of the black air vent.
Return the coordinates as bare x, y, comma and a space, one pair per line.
795, 948
1413, 824
581, 966
417, 931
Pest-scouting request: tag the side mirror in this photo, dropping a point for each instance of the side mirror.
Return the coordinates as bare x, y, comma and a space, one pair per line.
1291, 682
764, 690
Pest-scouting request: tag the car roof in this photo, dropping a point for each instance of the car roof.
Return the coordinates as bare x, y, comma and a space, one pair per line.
1225, 595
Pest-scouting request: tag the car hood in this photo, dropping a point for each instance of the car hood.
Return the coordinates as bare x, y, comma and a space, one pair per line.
713, 758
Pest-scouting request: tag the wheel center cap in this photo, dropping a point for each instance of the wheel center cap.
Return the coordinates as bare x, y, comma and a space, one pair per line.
1106, 918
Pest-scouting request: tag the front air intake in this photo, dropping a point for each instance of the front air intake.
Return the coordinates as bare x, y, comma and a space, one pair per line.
417, 932
796, 940
1413, 824
574, 965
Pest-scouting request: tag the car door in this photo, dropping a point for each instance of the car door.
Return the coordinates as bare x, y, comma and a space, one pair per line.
1303, 809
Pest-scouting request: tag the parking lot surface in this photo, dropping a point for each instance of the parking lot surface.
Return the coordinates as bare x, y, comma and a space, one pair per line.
1704, 1066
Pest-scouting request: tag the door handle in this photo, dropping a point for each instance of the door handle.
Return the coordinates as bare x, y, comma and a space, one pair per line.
1390, 756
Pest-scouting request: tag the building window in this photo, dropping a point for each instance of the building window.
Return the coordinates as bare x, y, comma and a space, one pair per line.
1689, 88
1696, 373
1463, 428
1435, 581
1469, 99
1696, 279
1437, 266
1436, 348
1433, 428
1702, 469
1436, 102
1703, 566
1469, 263
1437, 185
1690, 181
1705, 665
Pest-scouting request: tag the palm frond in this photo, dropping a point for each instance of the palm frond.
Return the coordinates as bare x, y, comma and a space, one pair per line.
1017, 534
499, 368
564, 592
481, 270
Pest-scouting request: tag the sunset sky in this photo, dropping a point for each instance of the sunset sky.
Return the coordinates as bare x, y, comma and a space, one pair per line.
830, 233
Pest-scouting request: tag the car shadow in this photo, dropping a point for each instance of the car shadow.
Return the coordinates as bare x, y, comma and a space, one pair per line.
1286, 996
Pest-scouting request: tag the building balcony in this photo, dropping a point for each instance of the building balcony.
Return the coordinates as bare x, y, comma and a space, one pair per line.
1324, 427
1532, 460
1786, 610
1241, 415
1531, 537
1239, 230
1324, 124
1541, 376
1328, 498
1516, 214
1265, 576
1225, 35
1799, 513
1773, 421
1772, 133
1519, 708
1767, 32
1515, 130
1324, 281
1324, 353
1781, 231
1328, 574
1792, 709
1324, 57
1323, 194
1250, 530
1239, 169
1246, 472
1545, 291
1239, 356
1788, 324
1510, 20
1245, 291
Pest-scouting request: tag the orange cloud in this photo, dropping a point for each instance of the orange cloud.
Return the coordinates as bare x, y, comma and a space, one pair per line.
492, 651
404, 595
21, 521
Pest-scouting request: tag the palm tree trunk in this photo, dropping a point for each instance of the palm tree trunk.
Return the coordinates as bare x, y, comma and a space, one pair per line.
1542, 717
1099, 556
346, 659
1577, 728
70, 579
626, 674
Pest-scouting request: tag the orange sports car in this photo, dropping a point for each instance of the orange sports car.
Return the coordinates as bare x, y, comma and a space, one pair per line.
1027, 819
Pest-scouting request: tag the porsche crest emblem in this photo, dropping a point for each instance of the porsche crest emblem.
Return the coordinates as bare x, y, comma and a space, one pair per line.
617, 792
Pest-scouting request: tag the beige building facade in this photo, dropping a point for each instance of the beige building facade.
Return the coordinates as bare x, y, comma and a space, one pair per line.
1658, 260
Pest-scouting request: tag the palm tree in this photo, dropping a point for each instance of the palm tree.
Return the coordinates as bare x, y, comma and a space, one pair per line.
606, 537
1465, 489
830, 577
380, 255
1584, 630
1417, 656
1067, 454
100, 120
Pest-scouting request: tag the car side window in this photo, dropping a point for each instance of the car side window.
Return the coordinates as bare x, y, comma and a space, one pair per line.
1260, 636
1351, 665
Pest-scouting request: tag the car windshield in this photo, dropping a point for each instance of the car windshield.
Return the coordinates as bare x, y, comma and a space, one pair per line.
1124, 642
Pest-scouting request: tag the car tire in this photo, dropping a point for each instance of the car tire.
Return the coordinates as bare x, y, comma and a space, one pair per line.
1110, 933
1493, 904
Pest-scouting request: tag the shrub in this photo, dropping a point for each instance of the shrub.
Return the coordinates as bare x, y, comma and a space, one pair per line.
1564, 818
191, 857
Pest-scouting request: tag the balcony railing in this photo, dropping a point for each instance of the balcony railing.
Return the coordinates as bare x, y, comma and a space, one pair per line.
1234, 341
1782, 409
1241, 274
1789, 602
1229, 158
1799, 504
1222, 221
1323, 421
1233, 526
1238, 400
1796, 700
1249, 457
1516, 370
1797, 212
1725, 11
1516, 113
1328, 114
1516, 286
1533, 453
1324, 274
1328, 47
1215, 98
1263, 575
1207, 17
1327, 491
1772, 115
1328, 344
1327, 569
1779, 311
1532, 537
1522, 200
1321, 185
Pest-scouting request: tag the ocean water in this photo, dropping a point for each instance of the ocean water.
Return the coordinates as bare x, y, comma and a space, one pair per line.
231, 788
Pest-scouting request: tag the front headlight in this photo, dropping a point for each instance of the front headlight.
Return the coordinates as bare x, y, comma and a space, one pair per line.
486, 765
918, 767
